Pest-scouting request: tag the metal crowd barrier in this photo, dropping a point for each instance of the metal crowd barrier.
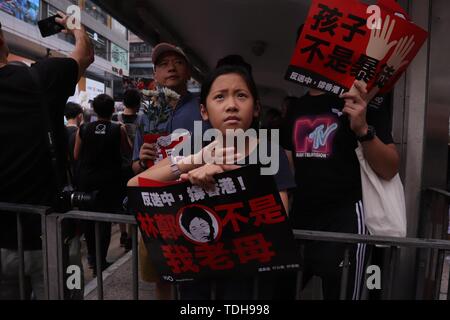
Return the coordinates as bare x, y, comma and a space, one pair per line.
96, 217
19, 210
391, 243
52, 249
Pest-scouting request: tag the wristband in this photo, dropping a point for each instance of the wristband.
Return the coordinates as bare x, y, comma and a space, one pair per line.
174, 165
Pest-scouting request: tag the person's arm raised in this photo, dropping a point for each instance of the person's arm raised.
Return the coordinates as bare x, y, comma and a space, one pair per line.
83, 53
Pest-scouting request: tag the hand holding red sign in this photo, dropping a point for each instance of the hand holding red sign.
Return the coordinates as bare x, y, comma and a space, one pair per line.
158, 146
339, 45
148, 152
356, 107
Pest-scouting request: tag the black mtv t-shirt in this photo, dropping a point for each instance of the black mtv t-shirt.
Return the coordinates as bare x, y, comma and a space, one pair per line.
323, 146
25, 169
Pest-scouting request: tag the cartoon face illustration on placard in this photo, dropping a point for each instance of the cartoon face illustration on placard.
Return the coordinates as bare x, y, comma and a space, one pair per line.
199, 224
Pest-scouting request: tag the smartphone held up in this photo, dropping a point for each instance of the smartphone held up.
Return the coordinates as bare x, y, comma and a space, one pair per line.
49, 26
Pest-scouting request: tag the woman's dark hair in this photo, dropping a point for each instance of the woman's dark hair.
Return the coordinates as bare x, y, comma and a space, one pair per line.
103, 105
132, 98
191, 213
272, 119
229, 69
234, 60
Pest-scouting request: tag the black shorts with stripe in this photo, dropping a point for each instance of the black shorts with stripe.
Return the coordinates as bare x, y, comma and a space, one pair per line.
325, 259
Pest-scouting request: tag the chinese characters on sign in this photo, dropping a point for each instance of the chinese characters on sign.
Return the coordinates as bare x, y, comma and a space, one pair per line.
240, 227
336, 47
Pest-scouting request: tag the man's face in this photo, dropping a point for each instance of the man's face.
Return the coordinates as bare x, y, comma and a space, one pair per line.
172, 71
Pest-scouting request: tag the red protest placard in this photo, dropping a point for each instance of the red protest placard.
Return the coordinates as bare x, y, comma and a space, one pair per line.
165, 143
346, 40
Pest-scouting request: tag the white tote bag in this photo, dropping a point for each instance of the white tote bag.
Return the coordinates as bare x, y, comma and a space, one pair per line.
384, 201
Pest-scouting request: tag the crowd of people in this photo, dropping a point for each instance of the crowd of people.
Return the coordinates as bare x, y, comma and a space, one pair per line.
318, 178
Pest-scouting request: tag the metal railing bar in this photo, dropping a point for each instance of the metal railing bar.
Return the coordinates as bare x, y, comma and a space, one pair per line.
374, 240
299, 279
134, 257
99, 216
393, 255
213, 290
60, 250
256, 280
448, 285
438, 274
98, 262
298, 288
441, 192
21, 253
24, 208
176, 294
44, 256
344, 277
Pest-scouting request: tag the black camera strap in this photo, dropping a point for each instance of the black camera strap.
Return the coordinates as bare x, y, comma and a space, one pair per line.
48, 129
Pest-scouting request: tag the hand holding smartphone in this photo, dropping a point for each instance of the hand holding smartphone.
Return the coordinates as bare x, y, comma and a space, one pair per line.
49, 26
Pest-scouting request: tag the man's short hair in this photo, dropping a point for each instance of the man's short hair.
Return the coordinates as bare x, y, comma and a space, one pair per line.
132, 98
72, 110
103, 105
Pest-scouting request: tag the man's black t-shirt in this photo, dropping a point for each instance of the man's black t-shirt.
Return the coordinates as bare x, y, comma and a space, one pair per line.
100, 158
71, 135
323, 146
25, 169
100, 164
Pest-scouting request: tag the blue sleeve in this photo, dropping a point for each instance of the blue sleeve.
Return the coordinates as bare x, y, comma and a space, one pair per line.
138, 142
144, 126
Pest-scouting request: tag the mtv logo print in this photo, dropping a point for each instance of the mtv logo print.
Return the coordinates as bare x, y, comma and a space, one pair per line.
313, 138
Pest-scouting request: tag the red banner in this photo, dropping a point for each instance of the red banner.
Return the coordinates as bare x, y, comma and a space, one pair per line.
165, 143
346, 40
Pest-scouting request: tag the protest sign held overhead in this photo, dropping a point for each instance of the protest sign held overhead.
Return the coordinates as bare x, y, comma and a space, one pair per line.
346, 40
240, 227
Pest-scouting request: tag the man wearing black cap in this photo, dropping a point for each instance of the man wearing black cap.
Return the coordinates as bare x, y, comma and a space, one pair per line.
26, 173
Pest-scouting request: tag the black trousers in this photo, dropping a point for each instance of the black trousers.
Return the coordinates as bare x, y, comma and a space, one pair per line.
326, 259
108, 200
